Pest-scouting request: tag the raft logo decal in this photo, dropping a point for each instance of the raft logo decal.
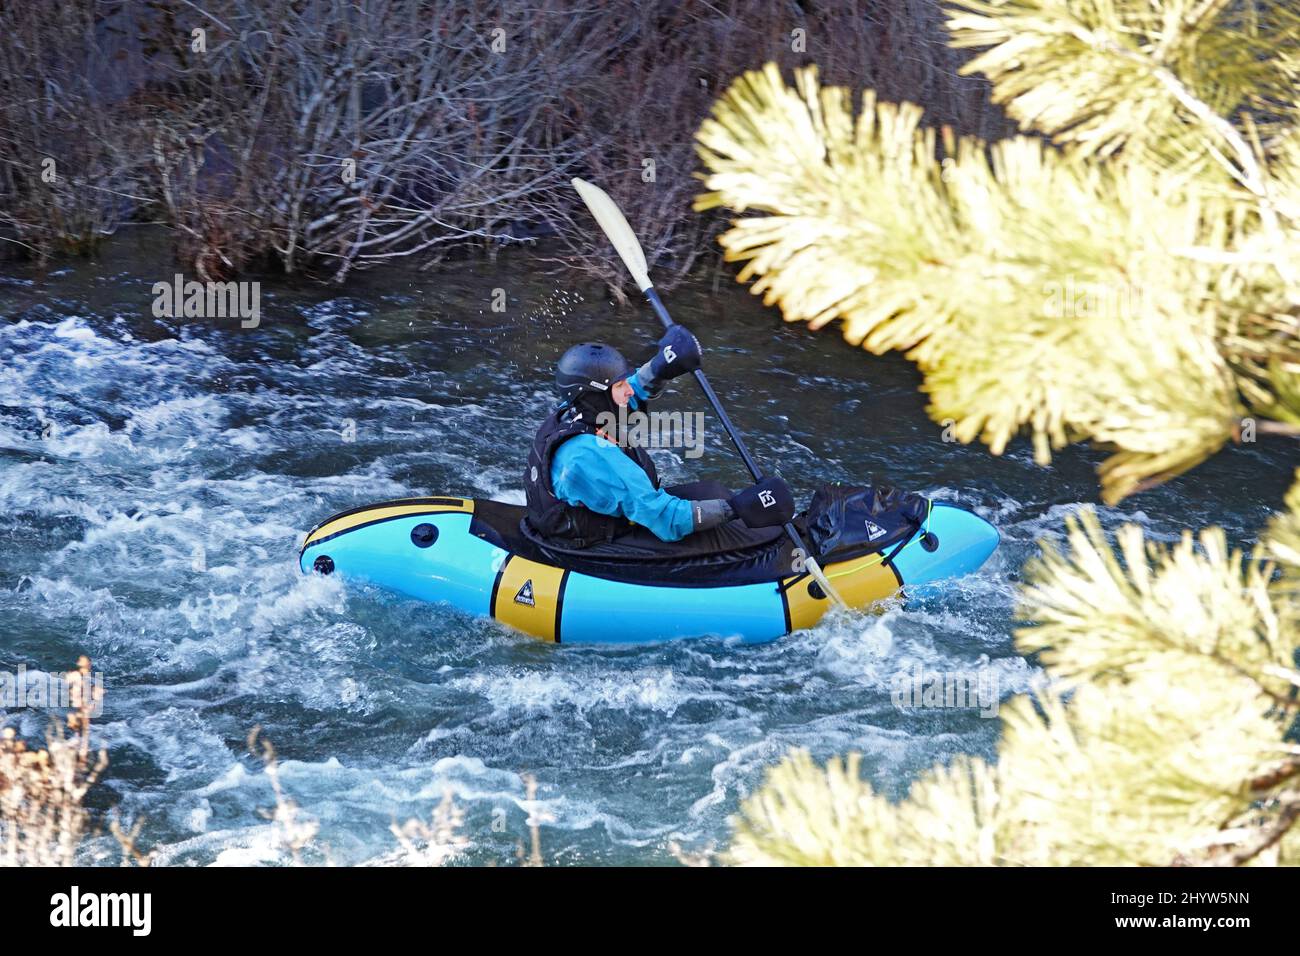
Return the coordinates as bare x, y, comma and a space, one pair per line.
525, 595
874, 531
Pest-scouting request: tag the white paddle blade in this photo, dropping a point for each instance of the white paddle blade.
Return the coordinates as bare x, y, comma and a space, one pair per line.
611, 220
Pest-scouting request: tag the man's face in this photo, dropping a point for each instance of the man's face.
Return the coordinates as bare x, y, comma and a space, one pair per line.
621, 392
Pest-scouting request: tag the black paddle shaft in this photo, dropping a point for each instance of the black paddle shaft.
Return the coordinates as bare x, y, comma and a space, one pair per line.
657, 304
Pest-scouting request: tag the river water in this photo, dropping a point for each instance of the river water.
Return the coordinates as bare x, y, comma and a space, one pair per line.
156, 476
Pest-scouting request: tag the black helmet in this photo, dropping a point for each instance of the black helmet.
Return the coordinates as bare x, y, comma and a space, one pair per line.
589, 367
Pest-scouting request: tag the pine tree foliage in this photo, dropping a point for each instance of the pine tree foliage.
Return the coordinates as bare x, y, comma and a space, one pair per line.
1106, 76
1174, 611
1176, 745
1134, 282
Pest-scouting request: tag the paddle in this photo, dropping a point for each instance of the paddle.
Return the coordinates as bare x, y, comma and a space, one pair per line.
610, 219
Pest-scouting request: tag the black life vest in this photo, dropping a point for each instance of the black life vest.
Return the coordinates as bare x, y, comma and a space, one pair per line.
550, 517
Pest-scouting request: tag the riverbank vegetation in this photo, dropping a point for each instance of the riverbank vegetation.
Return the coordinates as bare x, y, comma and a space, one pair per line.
325, 136
1124, 272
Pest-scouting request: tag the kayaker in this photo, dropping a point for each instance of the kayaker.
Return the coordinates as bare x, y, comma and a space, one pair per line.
585, 486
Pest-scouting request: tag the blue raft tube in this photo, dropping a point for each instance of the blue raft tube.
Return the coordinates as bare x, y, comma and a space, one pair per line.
468, 553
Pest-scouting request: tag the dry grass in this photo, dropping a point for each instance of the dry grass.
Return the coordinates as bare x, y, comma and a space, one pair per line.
295, 831
437, 842
42, 815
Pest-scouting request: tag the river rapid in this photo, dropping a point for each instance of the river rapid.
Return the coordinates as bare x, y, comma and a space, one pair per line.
157, 475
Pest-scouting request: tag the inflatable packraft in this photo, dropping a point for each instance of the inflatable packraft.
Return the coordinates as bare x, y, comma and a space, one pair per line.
479, 556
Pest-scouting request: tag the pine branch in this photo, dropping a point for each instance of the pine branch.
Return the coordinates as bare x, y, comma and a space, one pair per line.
1011, 274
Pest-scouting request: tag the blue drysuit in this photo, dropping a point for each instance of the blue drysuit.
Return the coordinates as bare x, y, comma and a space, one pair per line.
593, 472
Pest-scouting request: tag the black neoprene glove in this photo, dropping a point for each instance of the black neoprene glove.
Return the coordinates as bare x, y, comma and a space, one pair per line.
766, 504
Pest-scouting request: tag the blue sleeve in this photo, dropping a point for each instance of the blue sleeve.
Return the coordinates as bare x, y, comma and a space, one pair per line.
595, 473
640, 390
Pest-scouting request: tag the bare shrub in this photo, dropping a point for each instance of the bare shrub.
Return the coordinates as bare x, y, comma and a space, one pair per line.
657, 83
326, 136
70, 170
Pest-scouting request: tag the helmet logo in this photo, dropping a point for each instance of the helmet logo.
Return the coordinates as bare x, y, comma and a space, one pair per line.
600, 385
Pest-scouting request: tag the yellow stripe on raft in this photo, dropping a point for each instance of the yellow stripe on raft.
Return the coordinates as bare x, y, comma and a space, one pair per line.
528, 597
390, 509
861, 582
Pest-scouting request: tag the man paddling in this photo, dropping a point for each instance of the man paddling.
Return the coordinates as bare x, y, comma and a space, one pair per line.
585, 486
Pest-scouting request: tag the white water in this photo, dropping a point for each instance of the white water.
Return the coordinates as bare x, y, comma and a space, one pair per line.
156, 477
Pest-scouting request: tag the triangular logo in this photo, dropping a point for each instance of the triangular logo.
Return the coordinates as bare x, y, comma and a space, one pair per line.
874, 531
525, 595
